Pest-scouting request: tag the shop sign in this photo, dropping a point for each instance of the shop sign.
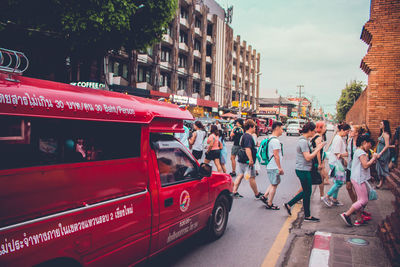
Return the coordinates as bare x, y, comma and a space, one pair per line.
183, 99
93, 85
294, 114
245, 104
214, 109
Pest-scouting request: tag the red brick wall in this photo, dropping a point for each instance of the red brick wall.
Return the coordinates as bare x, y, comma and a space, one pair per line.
358, 112
382, 64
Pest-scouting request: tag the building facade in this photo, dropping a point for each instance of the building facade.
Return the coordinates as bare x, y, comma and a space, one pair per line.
379, 101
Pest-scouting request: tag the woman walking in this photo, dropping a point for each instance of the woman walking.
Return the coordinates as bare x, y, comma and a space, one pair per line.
197, 140
224, 152
320, 129
337, 163
360, 174
303, 170
383, 151
214, 148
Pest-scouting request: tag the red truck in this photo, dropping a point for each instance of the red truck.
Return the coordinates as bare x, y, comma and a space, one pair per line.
88, 177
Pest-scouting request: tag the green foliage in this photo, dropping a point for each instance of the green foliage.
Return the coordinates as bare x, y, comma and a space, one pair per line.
349, 95
88, 26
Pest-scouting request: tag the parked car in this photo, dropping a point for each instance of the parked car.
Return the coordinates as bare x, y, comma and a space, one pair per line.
87, 177
293, 129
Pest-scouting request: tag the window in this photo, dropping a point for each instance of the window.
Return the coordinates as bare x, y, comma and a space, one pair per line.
118, 67
184, 13
183, 37
165, 79
209, 50
197, 67
208, 71
53, 141
165, 55
233, 96
174, 165
209, 29
144, 74
182, 61
197, 23
208, 90
197, 45
196, 87
169, 30
182, 83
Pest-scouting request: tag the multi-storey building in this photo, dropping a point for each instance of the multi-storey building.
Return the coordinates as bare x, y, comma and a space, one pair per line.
245, 87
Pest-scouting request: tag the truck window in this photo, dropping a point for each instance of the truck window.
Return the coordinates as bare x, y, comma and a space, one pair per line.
54, 141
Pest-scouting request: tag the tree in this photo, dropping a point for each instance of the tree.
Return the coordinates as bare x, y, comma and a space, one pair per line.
83, 28
349, 96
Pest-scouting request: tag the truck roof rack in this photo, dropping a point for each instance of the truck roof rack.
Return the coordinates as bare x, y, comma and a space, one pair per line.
13, 62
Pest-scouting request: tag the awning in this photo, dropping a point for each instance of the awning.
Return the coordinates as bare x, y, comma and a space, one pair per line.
229, 115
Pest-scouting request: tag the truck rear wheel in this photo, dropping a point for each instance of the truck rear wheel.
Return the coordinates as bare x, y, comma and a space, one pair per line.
219, 218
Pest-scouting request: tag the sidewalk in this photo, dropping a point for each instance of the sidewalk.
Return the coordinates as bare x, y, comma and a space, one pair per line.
329, 236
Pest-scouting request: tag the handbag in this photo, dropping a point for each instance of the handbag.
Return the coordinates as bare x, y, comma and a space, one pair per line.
372, 195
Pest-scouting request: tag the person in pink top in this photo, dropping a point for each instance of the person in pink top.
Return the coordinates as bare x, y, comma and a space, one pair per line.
214, 148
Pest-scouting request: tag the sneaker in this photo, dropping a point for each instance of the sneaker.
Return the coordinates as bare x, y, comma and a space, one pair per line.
366, 213
366, 218
237, 195
359, 223
233, 174
327, 201
346, 219
259, 195
312, 219
264, 199
287, 207
337, 203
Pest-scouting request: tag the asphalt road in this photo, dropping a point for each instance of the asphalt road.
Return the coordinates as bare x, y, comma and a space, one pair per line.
251, 228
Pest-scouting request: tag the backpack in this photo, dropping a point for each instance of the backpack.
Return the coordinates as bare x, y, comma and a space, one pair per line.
262, 152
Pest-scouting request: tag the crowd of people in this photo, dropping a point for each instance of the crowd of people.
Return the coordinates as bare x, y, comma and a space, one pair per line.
347, 159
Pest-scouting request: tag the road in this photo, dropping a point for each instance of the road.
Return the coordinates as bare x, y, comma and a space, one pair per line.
251, 228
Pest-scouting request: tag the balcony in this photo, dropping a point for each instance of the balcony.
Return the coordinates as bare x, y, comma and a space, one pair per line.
196, 76
209, 60
247, 63
164, 65
209, 39
182, 71
197, 8
183, 47
167, 39
234, 54
210, 17
208, 80
197, 53
145, 59
246, 78
241, 59
144, 85
233, 71
184, 22
197, 31
164, 89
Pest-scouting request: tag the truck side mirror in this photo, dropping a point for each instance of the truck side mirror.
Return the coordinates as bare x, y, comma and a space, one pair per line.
205, 170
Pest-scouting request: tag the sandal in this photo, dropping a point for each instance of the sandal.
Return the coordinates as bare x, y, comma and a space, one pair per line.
264, 199
272, 207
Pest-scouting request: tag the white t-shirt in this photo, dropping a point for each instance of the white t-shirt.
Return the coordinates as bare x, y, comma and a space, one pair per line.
274, 144
358, 173
338, 147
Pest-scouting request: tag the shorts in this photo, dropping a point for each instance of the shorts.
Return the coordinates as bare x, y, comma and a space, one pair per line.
235, 150
348, 174
197, 154
273, 176
213, 154
244, 167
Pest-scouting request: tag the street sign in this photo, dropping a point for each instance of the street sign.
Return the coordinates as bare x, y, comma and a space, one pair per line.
293, 114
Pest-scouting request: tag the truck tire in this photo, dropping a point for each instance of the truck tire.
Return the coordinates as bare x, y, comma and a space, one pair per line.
219, 218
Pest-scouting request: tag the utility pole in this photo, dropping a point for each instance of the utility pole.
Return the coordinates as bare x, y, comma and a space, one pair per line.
298, 111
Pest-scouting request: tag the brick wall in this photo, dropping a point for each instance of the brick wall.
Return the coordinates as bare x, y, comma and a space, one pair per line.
358, 112
382, 64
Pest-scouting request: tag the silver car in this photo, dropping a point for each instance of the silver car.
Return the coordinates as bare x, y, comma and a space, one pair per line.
293, 129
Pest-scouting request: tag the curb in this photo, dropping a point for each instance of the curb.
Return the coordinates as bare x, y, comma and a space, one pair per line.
320, 251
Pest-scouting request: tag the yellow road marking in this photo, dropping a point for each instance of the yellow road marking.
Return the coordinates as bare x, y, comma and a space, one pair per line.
280, 240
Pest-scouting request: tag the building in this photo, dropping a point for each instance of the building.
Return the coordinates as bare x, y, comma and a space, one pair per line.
245, 87
278, 106
197, 63
380, 100
302, 107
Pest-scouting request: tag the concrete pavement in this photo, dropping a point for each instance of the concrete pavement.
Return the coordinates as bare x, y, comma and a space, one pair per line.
341, 253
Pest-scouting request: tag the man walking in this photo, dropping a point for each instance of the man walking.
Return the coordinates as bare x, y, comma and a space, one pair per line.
274, 167
236, 134
247, 159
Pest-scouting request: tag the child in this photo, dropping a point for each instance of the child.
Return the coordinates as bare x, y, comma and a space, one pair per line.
360, 174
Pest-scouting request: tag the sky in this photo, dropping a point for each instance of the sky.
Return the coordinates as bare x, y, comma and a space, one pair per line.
315, 43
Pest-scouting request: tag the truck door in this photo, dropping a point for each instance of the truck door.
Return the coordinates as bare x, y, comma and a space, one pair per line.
183, 196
